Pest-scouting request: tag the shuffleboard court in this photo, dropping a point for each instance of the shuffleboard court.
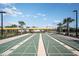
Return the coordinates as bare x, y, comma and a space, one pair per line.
39, 29
73, 42
6, 46
29, 48
53, 48
40, 44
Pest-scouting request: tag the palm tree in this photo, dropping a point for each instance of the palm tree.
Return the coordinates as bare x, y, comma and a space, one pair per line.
22, 23
67, 21
59, 27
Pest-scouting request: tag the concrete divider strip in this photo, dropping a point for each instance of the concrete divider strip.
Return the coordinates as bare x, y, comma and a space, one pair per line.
41, 49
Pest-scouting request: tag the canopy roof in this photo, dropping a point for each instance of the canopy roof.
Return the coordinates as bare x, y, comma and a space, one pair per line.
27, 28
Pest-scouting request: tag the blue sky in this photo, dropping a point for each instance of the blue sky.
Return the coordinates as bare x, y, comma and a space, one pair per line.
38, 14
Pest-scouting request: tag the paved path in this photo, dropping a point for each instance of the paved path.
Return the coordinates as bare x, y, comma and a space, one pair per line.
41, 49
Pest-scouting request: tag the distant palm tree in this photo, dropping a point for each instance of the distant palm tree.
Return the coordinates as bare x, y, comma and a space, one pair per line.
22, 23
59, 27
67, 21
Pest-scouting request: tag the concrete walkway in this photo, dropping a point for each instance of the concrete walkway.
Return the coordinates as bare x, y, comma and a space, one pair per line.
41, 49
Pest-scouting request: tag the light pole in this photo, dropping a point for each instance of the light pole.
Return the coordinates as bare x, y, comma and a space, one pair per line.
76, 22
2, 23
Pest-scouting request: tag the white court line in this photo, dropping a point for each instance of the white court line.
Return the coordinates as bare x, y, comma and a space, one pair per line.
16, 46
53, 46
11, 38
47, 43
34, 46
26, 49
8, 46
57, 49
15, 41
29, 47
48, 46
41, 49
66, 46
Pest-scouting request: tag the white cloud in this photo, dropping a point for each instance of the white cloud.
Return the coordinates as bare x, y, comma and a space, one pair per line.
44, 15
41, 14
56, 21
38, 15
35, 15
12, 10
